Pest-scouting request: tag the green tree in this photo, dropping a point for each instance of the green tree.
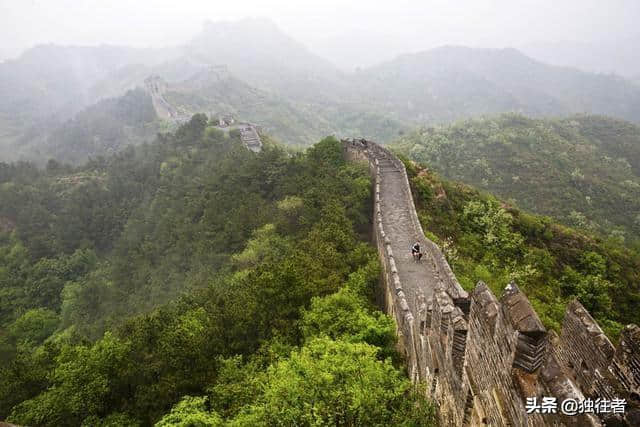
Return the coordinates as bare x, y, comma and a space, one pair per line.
190, 412
34, 326
86, 382
343, 315
192, 131
334, 383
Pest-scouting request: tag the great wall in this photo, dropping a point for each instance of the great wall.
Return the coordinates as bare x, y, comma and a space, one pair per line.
480, 357
157, 88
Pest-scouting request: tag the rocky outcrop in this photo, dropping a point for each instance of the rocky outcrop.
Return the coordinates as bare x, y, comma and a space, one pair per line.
481, 357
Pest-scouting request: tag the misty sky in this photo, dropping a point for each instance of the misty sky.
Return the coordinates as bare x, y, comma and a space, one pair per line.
361, 31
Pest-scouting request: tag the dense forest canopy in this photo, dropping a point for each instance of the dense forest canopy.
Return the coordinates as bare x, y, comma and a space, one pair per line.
193, 282
583, 170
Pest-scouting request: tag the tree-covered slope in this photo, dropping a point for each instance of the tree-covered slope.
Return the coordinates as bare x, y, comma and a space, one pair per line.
50, 80
193, 281
103, 129
220, 93
48, 84
583, 170
487, 239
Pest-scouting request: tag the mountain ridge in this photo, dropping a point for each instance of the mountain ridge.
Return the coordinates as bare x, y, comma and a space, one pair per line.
310, 97
478, 81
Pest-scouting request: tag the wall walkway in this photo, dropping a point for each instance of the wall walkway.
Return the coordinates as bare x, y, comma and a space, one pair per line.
479, 356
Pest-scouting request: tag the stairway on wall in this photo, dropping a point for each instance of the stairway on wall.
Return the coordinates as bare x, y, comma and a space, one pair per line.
250, 138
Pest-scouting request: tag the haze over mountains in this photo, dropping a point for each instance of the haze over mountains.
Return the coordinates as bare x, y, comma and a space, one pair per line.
453, 82
189, 240
610, 57
253, 71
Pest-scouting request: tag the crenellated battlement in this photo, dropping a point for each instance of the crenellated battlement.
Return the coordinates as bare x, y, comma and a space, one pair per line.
480, 356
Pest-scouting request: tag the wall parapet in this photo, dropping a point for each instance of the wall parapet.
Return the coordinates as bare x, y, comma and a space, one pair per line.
481, 357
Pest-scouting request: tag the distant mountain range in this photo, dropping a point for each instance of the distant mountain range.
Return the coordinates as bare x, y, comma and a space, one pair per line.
253, 71
451, 82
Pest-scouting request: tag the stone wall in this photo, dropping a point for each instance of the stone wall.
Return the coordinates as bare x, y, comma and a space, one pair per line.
156, 87
480, 357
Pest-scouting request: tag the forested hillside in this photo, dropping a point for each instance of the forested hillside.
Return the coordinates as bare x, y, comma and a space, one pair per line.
51, 80
104, 128
193, 281
584, 170
217, 91
49, 84
487, 239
